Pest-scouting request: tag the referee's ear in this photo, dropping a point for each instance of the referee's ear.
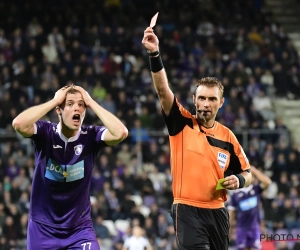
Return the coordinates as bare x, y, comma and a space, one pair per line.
222, 102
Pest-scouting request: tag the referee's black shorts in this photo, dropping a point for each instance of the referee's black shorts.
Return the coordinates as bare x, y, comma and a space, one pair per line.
200, 228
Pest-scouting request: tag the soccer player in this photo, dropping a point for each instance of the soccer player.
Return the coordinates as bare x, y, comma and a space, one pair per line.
202, 149
244, 206
60, 202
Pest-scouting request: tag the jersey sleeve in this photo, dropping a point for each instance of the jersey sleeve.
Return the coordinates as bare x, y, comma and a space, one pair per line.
178, 118
99, 133
238, 159
97, 137
41, 131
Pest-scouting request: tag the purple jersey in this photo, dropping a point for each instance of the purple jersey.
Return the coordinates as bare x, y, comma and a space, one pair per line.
60, 187
246, 204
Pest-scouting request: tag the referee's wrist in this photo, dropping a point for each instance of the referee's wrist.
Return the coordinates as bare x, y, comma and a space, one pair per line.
155, 61
153, 54
242, 180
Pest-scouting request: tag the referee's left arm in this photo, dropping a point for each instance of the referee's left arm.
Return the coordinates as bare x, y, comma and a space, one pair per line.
239, 165
247, 176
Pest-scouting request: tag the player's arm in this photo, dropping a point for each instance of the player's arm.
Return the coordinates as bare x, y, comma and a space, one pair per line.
231, 212
159, 76
263, 179
24, 122
117, 132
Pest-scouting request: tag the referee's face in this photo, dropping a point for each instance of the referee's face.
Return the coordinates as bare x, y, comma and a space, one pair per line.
207, 100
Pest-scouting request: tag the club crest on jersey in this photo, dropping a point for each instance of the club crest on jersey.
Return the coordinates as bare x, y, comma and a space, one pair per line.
222, 159
78, 149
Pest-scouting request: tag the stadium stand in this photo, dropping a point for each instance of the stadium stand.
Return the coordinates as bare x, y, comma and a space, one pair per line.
97, 44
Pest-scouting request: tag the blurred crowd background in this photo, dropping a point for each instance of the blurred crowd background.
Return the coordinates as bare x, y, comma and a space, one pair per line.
45, 45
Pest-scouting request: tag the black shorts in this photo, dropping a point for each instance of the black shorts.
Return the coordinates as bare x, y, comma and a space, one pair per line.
200, 228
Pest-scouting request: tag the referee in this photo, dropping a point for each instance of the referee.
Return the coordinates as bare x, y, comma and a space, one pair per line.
202, 150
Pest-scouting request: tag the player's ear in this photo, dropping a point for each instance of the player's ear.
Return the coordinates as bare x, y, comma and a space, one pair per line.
58, 111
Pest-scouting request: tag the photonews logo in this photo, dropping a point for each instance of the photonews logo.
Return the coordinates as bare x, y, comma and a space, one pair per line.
279, 237
64, 173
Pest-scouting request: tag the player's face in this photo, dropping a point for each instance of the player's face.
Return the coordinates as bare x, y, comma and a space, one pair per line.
207, 101
73, 112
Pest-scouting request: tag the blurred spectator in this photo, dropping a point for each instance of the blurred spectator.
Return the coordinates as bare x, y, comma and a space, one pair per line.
101, 230
138, 132
137, 240
263, 105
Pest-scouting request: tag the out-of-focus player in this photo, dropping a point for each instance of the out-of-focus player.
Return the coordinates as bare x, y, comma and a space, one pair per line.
244, 207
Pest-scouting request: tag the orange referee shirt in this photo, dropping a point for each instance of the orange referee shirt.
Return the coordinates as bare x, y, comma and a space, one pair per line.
199, 158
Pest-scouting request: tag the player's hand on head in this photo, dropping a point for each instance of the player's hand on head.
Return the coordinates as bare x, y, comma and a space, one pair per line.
85, 95
60, 95
150, 40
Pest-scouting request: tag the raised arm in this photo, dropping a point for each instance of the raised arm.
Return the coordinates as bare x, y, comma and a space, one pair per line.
24, 122
159, 76
263, 179
117, 132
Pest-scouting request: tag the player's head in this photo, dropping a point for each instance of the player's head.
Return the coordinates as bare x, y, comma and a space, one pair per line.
71, 112
208, 97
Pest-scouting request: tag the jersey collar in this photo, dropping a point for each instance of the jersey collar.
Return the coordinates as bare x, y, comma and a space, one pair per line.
65, 139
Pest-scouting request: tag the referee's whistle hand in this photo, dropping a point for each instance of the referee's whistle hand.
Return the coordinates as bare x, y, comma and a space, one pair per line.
231, 182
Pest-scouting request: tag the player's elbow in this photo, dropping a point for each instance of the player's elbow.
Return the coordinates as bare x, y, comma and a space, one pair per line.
21, 127
268, 182
17, 124
123, 133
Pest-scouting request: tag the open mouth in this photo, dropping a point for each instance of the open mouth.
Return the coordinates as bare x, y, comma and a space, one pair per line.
76, 119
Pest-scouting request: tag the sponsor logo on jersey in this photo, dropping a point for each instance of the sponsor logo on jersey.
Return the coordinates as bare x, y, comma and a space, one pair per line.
222, 159
248, 203
64, 173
